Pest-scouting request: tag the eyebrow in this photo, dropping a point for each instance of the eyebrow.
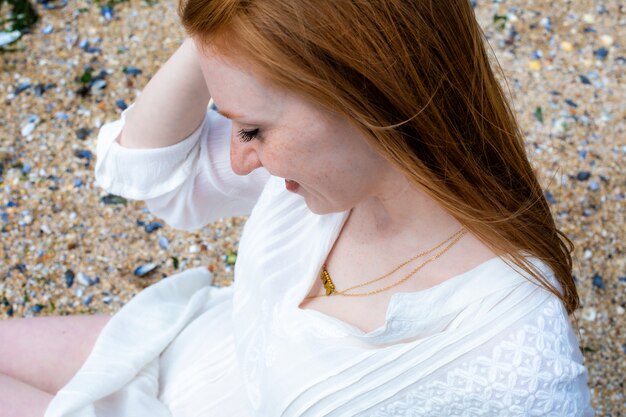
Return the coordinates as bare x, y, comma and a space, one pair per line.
228, 114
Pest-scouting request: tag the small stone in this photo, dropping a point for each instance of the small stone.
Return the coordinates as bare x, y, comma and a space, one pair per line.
597, 281
144, 270
231, 258
534, 65
84, 280
83, 154
594, 185
5, 154
28, 128
619, 310
583, 175
7, 38
589, 314
113, 199
588, 254
151, 227
69, 278
26, 220
584, 79
21, 87
83, 133
88, 300
107, 13
567, 46
588, 18
132, 71
163, 242
99, 84
601, 53
121, 104
606, 40
194, 249
546, 22
36, 308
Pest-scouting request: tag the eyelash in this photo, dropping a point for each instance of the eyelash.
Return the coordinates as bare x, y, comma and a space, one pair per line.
248, 135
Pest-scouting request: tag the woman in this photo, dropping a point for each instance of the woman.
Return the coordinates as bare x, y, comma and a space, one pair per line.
399, 258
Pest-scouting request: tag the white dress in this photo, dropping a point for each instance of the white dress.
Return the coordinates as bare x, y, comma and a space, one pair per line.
484, 343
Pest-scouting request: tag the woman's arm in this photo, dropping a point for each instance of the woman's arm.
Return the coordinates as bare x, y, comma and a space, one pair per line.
171, 106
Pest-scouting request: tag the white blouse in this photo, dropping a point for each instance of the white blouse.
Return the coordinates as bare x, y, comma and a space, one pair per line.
484, 343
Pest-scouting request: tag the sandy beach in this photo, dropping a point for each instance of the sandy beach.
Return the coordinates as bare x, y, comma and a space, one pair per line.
70, 248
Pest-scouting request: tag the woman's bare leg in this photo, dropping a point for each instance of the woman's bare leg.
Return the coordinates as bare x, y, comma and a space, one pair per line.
46, 352
18, 399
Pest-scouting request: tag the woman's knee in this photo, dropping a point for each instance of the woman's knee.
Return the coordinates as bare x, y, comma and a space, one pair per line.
46, 352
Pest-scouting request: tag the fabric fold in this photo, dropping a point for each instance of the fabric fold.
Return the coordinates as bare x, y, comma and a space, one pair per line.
140, 174
129, 346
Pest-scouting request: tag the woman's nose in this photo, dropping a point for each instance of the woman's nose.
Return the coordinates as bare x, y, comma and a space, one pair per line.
244, 157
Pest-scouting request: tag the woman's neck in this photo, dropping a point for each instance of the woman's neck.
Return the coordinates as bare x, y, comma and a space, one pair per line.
400, 210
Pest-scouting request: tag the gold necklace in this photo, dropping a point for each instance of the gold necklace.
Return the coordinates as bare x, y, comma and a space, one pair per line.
329, 285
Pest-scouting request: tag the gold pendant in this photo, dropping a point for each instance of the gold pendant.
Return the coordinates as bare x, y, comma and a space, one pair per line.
328, 283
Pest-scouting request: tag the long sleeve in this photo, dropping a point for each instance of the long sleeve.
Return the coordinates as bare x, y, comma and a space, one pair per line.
188, 184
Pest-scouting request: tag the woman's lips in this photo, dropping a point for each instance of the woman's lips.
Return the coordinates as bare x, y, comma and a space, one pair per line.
291, 185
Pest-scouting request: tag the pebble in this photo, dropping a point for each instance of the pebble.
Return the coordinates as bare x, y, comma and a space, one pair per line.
87, 300
163, 242
534, 65
7, 38
601, 53
231, 258
606, 40
132, 71
151, 227
69, 278
48, 29
85, 280
28, 129
121, 104
598, 282
583, 175
113, 199
144, 270
589, 314
589, 18
53, 4
21, 87
83, 133
107, 12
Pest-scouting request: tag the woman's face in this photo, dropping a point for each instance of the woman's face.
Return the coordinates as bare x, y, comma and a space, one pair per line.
321, 156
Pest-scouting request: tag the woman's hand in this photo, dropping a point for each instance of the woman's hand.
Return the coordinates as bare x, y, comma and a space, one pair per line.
172, 105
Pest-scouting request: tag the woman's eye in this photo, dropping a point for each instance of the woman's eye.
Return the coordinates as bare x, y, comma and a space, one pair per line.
248, 135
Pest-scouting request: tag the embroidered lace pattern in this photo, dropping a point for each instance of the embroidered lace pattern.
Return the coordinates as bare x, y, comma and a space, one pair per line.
530, 372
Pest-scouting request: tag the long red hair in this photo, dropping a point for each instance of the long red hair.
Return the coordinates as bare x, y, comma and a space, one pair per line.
414, 76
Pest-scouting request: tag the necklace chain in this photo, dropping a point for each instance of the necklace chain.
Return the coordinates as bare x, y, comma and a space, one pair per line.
331, 289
